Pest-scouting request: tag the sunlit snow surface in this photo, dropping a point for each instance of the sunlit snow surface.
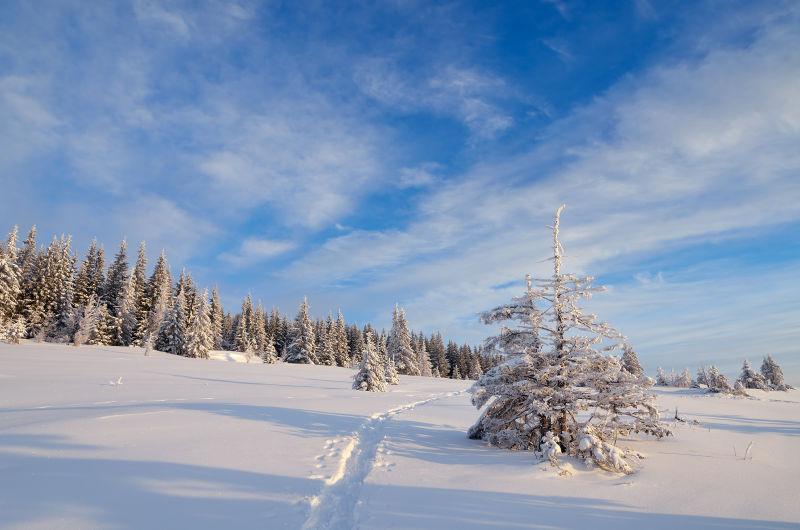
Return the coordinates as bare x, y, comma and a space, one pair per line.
101, 437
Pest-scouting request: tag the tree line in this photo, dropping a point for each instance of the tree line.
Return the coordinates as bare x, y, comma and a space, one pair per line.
47, 295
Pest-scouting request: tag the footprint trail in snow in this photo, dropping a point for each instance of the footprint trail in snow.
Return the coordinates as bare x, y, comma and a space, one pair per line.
335, 507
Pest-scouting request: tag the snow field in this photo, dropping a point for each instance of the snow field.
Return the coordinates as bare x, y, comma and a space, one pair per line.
191, 443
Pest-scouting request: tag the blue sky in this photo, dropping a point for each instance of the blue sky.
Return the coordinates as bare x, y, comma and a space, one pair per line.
414, 152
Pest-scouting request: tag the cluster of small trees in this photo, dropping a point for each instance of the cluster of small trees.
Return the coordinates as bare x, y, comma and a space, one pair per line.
769, 378
45, 294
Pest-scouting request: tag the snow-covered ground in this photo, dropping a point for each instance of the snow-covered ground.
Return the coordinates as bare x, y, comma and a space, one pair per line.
183, 443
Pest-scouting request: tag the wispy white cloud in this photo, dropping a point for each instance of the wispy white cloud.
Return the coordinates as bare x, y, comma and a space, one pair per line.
254, 250
466, 94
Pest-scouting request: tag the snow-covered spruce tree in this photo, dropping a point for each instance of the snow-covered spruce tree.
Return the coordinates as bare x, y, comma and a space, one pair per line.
105, 329
326, 347
10, 291
217, 315
198, 336
630, 361
752, 379
172, 335
389, 371
14, 330
259, 329
244, 330
558, 385
423, 359
341, 345
138, 306
88, 318
270, 354
157, 301
437, 352
400, 349
457, 375
684, 380
475, 370
115, 290
773, 374
302, 343
370, 375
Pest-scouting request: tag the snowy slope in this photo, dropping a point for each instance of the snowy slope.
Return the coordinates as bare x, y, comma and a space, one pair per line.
188, 443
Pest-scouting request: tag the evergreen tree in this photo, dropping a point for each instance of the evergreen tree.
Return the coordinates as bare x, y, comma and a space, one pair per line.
456, 373
12, 331
773, 374
340, 342
400, 349
172, 335
244, 339
216, 315
370, 375
259, 330
389, 370
301, 348
199, 338
269, 355
475, 370
139, 305
630, 361
27, 260
87, 321
327, 347
452, 352
116, 290
355, 343
10, 290
538, 398
103, 333
158, 300
437, 352
423, 359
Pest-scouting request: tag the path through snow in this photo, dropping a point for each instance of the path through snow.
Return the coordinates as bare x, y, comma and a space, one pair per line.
335, 508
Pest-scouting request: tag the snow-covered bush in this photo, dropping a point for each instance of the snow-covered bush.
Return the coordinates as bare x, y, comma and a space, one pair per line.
752, 379
630, 361
684, 380
560, 378
773, 374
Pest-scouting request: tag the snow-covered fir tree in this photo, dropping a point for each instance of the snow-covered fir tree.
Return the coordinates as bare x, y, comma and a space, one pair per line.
389, 370
259, 329
10, 289
423, 359
302, 344
172, 335
116, 291
558, 368
138, 294
630, 361
91, 275
437, 352
270, 354
216, 315
244, 339
88, 318
475, 370
12, 331
749, 378
773, 374
157, 300
456, 373
105, 329
340, 341
326, 347
370, 376
199, 340
400, 349
355, 343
